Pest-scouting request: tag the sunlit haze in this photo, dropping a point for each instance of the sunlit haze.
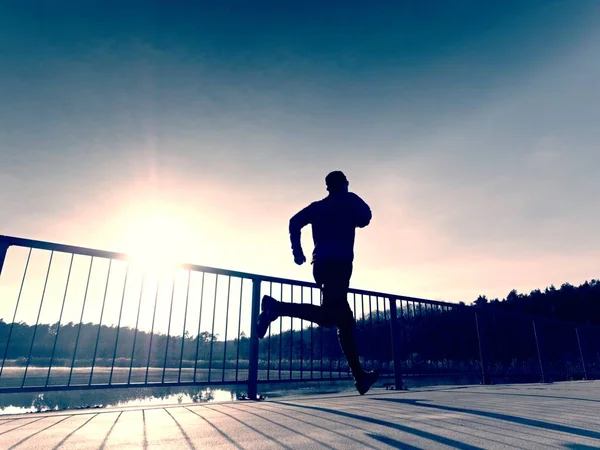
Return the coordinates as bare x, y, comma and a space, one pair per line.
187, 133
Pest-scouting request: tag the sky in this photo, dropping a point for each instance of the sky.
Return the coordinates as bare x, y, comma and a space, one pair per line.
194, 131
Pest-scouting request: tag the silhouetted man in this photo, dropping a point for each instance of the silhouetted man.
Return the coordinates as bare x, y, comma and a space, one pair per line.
334, 220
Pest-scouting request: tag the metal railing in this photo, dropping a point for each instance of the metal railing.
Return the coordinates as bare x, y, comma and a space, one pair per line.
78, 318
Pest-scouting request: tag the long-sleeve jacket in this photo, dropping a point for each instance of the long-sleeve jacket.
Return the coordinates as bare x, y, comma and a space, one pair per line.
334, 220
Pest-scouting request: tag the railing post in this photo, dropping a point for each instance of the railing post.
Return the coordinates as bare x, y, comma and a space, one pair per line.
254, 344
484, 375
537, 344
399, 383
3, 250
581, 353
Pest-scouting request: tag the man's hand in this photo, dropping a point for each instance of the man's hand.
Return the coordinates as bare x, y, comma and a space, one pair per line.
299, 258
299, 221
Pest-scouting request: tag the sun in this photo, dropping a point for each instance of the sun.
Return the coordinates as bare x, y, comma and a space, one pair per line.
159, 239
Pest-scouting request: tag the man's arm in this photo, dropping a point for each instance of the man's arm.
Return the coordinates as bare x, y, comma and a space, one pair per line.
297, 222
363, 212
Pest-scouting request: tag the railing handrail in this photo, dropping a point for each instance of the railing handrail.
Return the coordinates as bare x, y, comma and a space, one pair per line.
459, 359
55, 246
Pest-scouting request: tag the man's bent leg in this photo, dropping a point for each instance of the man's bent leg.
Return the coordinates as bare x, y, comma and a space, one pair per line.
312, 313
273, 309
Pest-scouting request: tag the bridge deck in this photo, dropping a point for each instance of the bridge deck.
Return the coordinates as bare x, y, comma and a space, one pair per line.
561, 415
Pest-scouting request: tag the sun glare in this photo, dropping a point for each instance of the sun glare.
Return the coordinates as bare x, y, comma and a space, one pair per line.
158, 240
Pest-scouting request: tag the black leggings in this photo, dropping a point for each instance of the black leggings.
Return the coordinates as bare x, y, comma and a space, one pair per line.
333, 277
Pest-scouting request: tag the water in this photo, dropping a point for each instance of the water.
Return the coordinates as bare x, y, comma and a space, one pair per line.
21, 403
35, 402
24, 403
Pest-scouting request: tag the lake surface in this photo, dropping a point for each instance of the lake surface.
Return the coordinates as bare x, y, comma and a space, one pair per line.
34, 402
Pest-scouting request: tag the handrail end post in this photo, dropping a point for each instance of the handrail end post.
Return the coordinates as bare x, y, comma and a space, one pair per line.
254, 343
540, 353
398, 381
485, 377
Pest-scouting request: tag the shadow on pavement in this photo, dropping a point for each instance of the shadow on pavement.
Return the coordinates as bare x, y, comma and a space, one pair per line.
558, 397
312, 424
423, 434
580, 447
499, 416
392, 442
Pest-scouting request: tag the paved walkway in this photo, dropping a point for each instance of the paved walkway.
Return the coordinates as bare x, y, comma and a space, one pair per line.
561, 415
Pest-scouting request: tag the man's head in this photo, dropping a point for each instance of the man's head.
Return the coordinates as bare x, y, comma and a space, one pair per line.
336, 181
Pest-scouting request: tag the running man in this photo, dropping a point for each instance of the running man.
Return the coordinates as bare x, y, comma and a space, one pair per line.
334, 220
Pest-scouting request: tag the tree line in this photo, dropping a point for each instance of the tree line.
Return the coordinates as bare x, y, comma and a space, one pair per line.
570, 303
430, 339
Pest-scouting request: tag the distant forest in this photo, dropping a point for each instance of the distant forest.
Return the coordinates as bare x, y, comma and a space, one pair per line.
430, 337
570, 303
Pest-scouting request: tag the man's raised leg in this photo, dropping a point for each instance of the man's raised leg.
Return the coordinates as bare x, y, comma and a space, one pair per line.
271, 309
